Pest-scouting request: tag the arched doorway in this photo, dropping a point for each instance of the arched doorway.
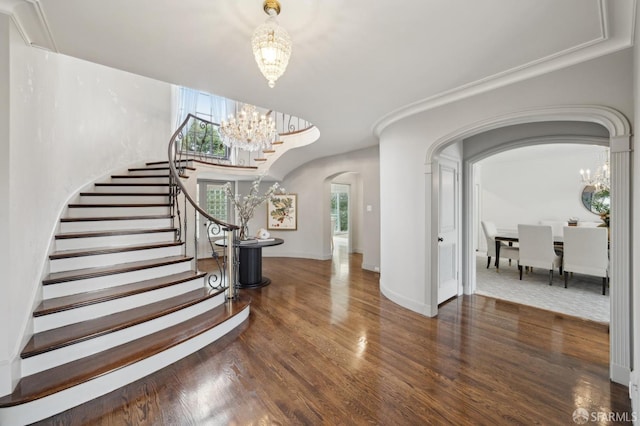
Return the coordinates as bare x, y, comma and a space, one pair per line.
619, 131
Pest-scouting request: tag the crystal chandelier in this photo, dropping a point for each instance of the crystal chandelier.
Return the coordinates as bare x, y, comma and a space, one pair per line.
248, 131
271, 44
601, 179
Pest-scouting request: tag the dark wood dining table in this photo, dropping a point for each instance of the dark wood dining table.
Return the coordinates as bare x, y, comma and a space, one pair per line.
512, 237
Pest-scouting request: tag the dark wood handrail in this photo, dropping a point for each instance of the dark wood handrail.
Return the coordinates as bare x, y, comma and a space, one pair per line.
176, 176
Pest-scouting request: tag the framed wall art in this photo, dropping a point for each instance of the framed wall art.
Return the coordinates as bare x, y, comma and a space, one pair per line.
282, 212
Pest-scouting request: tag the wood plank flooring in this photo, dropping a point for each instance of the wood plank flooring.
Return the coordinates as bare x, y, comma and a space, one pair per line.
324, 347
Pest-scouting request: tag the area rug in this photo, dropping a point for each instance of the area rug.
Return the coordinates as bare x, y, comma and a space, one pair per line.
583, 298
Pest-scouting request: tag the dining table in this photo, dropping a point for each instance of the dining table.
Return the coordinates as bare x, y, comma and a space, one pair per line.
511, 237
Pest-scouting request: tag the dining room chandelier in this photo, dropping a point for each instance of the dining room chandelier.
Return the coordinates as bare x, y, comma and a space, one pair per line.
248, 130
601, 179
271, 44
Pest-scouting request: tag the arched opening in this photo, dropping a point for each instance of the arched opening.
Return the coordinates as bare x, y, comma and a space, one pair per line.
535, 184
619, 131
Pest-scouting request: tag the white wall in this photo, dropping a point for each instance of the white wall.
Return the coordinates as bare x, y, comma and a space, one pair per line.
405, 179
71, 122
312, 183
5, 225
542, 182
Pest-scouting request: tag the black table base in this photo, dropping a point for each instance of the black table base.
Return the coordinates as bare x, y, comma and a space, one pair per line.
250, 268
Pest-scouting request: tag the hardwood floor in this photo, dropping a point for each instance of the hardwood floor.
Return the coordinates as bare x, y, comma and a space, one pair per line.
324, 347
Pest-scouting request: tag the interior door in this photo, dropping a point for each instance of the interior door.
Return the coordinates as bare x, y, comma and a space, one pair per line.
448, 230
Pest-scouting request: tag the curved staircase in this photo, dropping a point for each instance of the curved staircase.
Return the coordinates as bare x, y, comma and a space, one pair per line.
121, 301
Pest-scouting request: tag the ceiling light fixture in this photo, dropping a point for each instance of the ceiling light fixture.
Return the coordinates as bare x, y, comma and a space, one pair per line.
248, 130
271, 44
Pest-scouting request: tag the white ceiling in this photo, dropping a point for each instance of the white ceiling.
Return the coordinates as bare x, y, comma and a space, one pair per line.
356, 65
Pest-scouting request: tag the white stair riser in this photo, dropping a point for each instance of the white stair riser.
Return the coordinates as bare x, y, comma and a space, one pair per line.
46, 407
128, 189
115, 225
68, 288
124, 199
114, 240
117, 211
81, 262
141, 180
60, 319
88, 347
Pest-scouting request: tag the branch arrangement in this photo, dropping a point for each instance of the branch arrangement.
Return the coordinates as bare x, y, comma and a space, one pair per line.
246, 205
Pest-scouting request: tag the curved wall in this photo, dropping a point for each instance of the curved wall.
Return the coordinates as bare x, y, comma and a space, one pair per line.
71, 122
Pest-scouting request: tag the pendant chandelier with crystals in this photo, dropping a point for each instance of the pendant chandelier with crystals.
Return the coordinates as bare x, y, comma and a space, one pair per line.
271, 44
601, 179
248, 130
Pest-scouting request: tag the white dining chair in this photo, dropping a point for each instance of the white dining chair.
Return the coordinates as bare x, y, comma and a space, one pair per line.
536, 249
586, 251
506, 251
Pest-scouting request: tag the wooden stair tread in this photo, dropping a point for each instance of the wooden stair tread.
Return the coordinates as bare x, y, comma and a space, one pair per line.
108, 233
56, 338
129, 184
59, 304
54, 380
185, 166
108, 218
124, 194
139, 176
277, 143
85, 273
146, 169
87, 205
259, 159
157, 163
65, 254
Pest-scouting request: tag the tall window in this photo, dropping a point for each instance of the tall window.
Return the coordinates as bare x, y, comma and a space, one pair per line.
204, 140
340, 207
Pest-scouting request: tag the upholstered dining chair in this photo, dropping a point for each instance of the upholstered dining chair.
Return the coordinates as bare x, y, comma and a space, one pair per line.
586, 251
536, 249
506, 251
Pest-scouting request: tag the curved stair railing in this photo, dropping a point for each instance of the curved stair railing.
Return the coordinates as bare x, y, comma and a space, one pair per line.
199, 140
179, 163
287, 124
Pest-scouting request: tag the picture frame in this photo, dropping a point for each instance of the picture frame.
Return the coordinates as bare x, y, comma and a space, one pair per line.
282, 212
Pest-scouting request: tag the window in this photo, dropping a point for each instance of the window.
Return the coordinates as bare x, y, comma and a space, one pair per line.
203, 140
212, 198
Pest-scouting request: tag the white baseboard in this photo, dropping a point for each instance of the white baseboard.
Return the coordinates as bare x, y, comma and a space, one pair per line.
412, 305
619, 374
9, 375
314, 256
372, 268
634, 391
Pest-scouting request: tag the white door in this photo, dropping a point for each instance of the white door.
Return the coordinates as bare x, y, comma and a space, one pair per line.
448, 230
